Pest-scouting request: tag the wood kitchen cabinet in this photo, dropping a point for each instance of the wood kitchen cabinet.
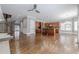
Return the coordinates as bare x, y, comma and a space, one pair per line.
50, 28
47, 28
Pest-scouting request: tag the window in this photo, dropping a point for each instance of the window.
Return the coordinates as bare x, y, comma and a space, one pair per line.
75, 25
66, 26
62, 27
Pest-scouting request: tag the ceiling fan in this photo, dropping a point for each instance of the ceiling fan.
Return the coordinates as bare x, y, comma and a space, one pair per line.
34, 9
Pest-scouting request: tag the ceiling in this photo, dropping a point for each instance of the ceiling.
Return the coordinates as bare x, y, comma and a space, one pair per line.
48, 12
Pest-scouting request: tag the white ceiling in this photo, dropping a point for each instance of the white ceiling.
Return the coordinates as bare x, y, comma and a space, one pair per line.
48, 12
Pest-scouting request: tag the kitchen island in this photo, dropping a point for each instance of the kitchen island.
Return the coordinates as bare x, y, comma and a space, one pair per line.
4, 43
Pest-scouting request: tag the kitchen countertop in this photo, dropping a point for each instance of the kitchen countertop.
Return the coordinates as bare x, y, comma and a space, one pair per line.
5, 36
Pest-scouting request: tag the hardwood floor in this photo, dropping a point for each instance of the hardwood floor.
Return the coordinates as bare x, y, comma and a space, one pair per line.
40, 44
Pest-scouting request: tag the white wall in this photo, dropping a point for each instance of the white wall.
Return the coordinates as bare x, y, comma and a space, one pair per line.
1, 20
1, 15
28, 25
24, 26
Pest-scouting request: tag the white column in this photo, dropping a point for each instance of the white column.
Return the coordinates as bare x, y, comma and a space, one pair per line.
78, 25
72, 25
78, 29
